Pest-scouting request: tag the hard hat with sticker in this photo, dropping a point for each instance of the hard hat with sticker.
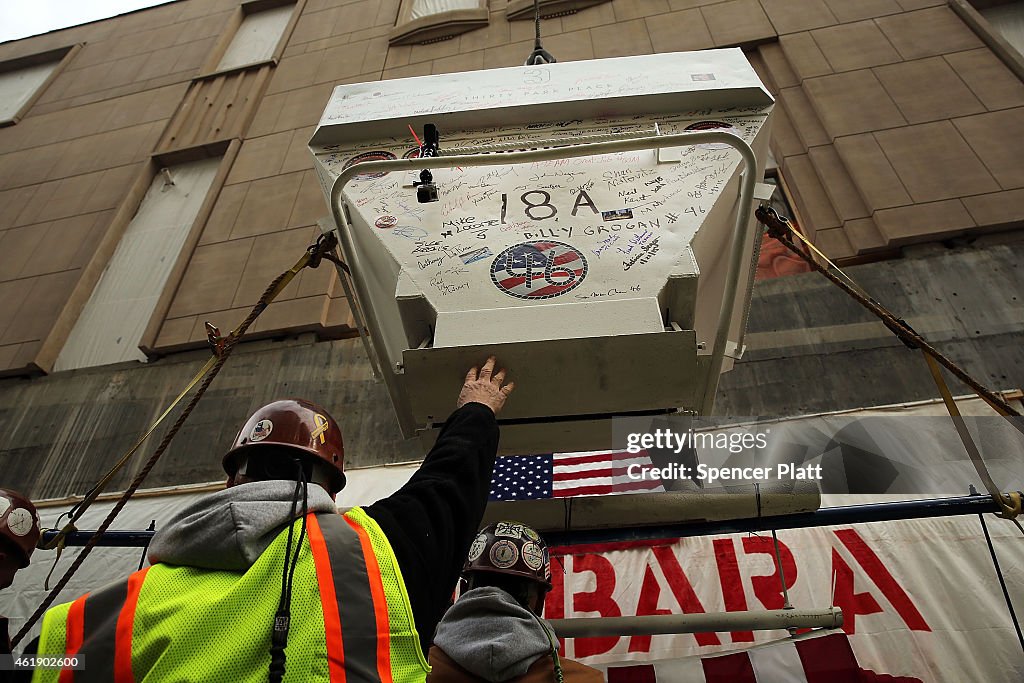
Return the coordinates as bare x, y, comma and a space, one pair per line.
506, 548
19, 523
289, 428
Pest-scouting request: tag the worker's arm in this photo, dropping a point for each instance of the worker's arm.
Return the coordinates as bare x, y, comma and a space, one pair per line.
432, 520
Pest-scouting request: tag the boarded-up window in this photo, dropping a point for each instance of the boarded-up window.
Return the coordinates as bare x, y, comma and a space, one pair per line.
17, 86
1008, 19
116, 315
256, 38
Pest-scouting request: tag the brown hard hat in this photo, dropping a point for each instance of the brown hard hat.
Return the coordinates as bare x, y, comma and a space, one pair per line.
513, 549
19, 523
294, 424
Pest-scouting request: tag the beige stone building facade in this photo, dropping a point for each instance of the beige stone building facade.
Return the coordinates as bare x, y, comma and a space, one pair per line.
899, 122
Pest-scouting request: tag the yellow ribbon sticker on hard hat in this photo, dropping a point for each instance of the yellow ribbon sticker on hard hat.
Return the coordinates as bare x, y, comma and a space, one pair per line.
321, 427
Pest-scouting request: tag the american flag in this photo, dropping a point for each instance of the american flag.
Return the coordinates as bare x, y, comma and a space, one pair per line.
560, 475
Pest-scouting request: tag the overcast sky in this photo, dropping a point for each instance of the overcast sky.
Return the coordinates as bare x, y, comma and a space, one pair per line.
21, 18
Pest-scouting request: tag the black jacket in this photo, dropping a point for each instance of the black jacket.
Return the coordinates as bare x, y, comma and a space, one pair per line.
432, 520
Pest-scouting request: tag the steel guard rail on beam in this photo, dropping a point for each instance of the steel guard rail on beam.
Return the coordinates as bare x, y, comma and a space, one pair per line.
491, 158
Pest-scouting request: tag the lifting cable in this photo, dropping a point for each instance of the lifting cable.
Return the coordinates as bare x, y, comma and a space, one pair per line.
222, 348
780, 228
539, 55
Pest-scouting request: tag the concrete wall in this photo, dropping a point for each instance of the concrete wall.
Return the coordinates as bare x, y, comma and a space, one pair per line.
810, 349
62, 432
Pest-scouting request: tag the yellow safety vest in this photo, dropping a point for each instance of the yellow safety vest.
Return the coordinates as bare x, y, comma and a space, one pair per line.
350, 617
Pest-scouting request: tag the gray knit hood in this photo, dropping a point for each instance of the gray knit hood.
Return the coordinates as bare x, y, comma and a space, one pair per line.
230, 529
492, 636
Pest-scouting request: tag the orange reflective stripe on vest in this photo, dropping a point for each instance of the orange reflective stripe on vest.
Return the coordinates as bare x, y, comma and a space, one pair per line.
125, 624
103, 628
345, 572
75, 635
107, 617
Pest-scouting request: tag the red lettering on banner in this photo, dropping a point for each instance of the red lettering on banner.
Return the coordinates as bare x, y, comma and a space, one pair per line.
682, 589
599, 600
732, 585
845, 599
874, 568
768, 588
650, 592
554, 603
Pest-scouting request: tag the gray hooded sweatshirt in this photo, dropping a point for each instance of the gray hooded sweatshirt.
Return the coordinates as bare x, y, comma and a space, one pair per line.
489, 634
230, 529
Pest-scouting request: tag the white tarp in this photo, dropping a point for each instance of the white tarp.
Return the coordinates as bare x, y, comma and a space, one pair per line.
920, 597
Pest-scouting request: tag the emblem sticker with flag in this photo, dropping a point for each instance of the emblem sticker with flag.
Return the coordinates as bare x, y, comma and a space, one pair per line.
538, 270
261, 430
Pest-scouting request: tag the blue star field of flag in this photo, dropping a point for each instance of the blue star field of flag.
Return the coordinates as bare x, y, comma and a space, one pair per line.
525, 477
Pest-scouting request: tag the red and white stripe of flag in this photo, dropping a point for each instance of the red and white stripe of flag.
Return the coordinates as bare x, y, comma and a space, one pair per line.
600, 472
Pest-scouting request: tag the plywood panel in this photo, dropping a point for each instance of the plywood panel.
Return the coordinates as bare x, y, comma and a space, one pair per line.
215, 109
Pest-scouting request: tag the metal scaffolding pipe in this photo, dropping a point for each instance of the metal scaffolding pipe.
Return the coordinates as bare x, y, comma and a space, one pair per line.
767, 620
849, 514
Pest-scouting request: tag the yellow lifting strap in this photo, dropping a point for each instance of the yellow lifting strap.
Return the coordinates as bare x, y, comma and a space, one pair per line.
222, 347
1001, 409
1010, 504
309, 257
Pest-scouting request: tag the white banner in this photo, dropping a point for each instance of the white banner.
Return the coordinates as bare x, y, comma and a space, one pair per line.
920, 598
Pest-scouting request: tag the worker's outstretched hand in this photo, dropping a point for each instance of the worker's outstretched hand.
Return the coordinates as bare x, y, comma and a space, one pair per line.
484, 385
